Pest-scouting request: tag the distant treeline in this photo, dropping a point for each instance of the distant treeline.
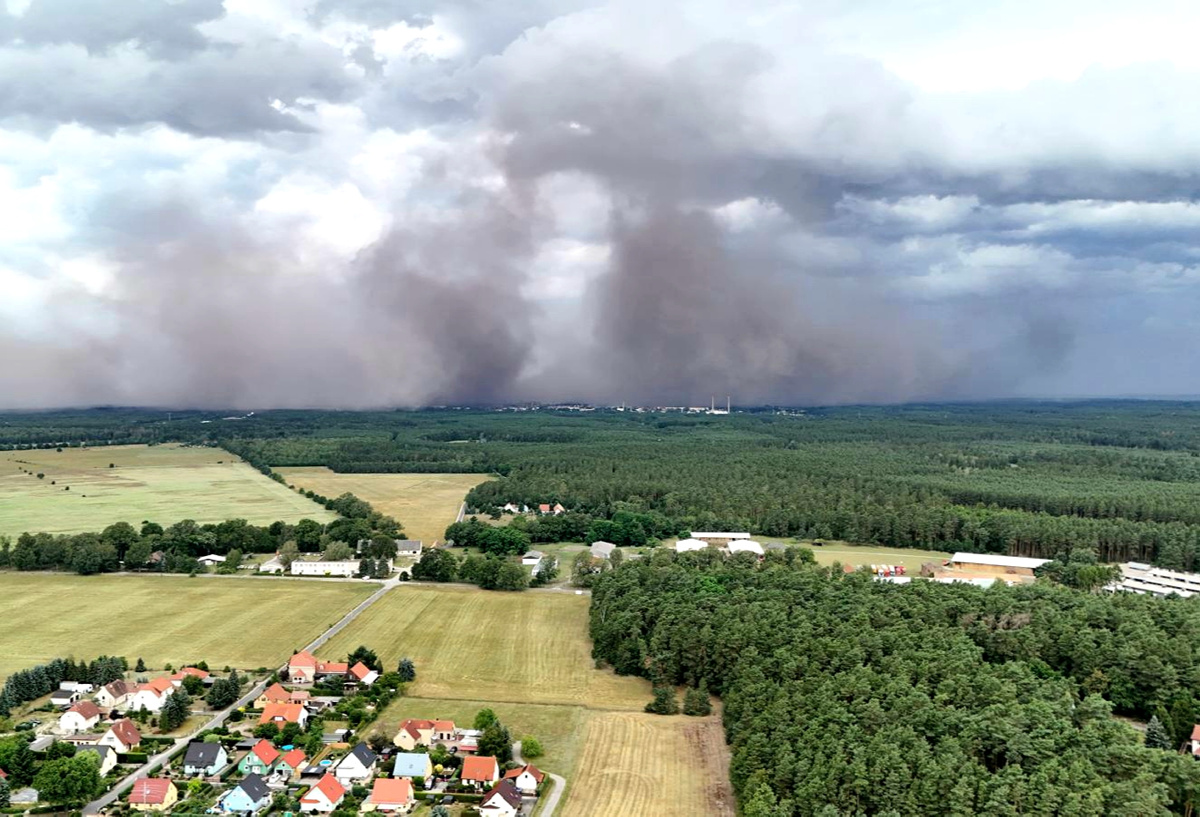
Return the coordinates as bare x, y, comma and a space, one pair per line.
1119, 478
176, 548
847, 696
29, 684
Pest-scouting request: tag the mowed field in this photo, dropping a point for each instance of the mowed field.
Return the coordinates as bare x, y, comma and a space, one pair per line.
479, 645
162, 483
860, 555
165, 619
423, 503
650, 764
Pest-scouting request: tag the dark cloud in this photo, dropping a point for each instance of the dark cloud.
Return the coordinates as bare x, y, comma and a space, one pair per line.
164, 29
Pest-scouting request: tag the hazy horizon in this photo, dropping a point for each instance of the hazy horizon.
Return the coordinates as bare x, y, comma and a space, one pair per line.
363, 203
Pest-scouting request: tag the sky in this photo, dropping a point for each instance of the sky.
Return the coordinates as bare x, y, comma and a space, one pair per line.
369, 203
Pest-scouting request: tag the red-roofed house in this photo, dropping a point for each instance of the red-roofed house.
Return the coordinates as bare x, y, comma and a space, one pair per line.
291, 764
79, 718
363, 674
274, 694
122, 736
414, 733
391, 795
302, 667
177, 678
150, 696
259, 760
324, 796
280, 714
480, 772
1196, 740
526, 779
502, 801
152, 794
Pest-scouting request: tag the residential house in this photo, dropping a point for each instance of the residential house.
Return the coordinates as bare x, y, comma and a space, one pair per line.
150, 696
357, 766
409, 548
532, 558
512, 507
272, 565
555, 509
259, 760
502, 801
113, 695
526, 779
79, 718
282, 714
444, 732
108, 756
248, 797
153, 794
412, 765
414, 733
177, 678
304, 668
1195, 742
602, 549
64, 697
291, 764
391, 796
325, 796
363, 675
122, 736
274, 694
479, 772
204, 759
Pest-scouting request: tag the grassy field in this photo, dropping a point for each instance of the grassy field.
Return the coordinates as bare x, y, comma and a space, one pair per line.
164, 483
859, 555
650, 764
479, 645
242, 623
424, 503
558, 728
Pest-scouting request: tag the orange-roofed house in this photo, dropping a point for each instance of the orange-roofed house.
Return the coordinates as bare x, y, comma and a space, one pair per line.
291, 764
177, 678
480, 772
414, 733
281, 714
152, 794
302, 667
1195, 744
391, 796
526, 779
260, 759
151, 695
325, 796
274, 694
363, 675
445, 731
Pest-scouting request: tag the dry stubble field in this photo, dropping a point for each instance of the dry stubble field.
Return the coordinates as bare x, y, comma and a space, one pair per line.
162, 483
424, 503
165, 619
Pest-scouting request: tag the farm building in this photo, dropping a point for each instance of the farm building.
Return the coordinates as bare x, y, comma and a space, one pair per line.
993, 564
347, 568
602, 550
1145, 579
719, 538
532, 558
687, 545
745, 546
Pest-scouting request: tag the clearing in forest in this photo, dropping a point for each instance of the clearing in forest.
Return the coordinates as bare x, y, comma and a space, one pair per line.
425, 504
650, 764
160, 483
483, 645
165, 619
866, 555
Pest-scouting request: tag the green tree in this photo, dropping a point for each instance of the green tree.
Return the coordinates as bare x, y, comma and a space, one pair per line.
531, 747
175, 711
4, 793
224, 692
141, 666
338, 552
496, 742
510, 576
664, 702
1156, 735
69, 779
288, 553
696, 702
436, 565
366, 656
18, 760
483, 719
407, 670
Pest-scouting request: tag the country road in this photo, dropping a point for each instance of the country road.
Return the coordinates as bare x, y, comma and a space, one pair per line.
556, 791
98, 805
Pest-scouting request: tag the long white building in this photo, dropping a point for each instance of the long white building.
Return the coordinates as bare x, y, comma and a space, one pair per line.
347, 567
1145, 579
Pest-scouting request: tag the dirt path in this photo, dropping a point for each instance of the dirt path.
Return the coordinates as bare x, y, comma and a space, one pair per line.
556, 791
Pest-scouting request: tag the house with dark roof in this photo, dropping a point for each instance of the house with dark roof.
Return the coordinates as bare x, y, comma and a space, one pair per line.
122, 735
64, 697
204, 759
357, 766
113, 694
502, 801
248, 797
409, 547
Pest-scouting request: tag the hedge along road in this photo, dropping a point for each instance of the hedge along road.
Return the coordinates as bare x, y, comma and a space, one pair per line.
106, 800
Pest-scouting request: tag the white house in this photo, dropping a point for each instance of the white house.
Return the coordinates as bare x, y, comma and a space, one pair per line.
113, 695
272, 565
357, 766
532, 558
108, 756
150, 696
502, 801
79, 718
64, 697
688, 545
122, 736
526, 779
325, 796
602, 549
347, 568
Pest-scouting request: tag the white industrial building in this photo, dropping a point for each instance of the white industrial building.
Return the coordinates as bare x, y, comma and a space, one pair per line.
745, 546
1145, 579
719, 538
687, 545
345, 567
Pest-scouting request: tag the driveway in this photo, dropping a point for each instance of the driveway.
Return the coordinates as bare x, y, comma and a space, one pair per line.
556, 791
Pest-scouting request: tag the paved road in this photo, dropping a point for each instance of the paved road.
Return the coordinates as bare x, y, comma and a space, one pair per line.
556, 791
96, 806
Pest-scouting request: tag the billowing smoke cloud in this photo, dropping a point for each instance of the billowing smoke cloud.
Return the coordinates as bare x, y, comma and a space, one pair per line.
603, 204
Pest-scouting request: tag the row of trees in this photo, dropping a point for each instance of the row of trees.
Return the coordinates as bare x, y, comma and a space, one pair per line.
491, 572
848, 696
34, 682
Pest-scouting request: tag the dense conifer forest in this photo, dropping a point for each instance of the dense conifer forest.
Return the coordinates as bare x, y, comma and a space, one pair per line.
845, 696
1119, 478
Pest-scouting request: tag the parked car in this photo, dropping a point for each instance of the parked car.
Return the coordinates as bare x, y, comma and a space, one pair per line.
26, 726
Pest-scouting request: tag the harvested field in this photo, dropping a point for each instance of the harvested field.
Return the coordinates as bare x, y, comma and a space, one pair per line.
862, 555
162, 483
424, 503
165, 619
650, 764
483, 645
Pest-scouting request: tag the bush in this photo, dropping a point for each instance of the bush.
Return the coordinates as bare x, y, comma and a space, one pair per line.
531, 747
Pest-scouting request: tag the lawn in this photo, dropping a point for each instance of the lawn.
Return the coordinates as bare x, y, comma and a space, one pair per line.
165, 619
859, 555
650, 764
482, 645
162, 483
558, 728
424, 503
